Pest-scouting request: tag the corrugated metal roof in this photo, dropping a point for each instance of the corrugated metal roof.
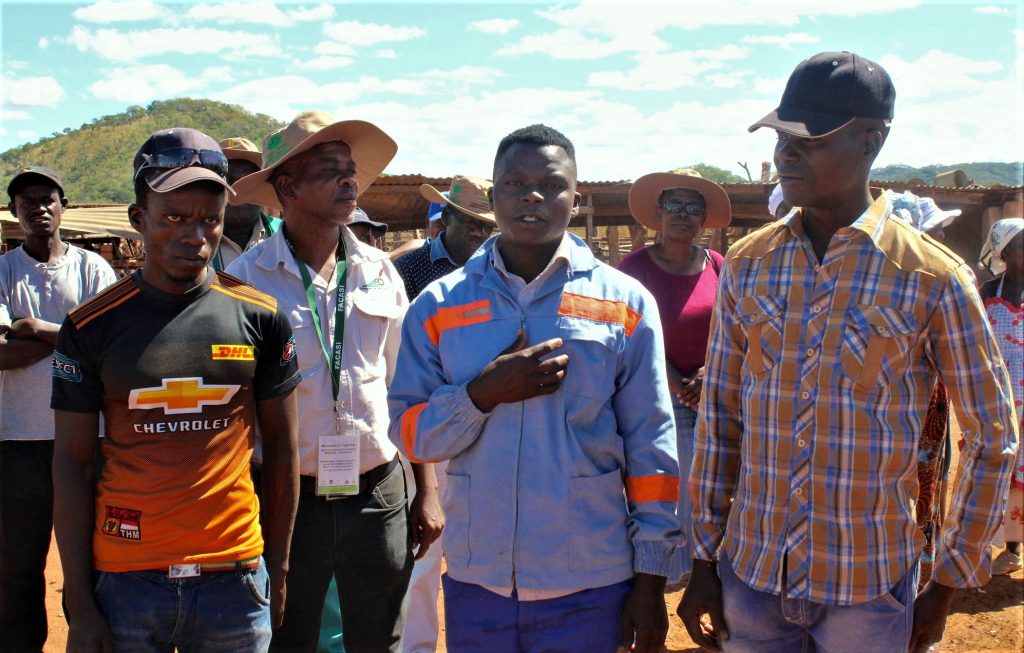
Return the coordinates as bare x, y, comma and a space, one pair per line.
96, 221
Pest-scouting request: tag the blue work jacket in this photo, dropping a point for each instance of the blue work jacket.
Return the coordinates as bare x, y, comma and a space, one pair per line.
567, 491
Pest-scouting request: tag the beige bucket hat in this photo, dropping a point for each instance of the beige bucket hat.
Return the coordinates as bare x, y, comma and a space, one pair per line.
371, 149
644, 194
467, 194
237, 147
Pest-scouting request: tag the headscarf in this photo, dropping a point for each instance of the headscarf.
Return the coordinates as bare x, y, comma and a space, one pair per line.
1002, 232
921, 212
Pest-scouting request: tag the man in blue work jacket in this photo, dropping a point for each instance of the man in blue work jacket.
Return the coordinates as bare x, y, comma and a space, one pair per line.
538, 372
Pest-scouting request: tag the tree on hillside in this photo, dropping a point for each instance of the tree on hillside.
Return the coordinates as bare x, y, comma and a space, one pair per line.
716, 174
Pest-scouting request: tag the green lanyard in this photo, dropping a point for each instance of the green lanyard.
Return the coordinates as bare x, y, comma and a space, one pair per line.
333, 361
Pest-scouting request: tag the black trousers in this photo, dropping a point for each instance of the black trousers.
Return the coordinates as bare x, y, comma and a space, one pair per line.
26, 522
363, 541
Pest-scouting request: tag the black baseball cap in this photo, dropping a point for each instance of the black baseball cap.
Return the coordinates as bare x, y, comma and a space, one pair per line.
34, 175
827, 91
182, 156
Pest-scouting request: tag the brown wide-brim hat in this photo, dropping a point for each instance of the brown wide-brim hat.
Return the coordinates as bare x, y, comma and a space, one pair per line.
467, 194
645, 191
372, 150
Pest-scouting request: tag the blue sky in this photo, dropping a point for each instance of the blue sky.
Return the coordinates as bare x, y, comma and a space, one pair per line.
638, 86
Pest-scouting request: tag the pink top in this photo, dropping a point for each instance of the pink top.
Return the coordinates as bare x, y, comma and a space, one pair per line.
684, 301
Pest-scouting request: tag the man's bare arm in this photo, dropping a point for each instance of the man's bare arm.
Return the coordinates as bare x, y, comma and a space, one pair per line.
20, 352
279, 424
74, 452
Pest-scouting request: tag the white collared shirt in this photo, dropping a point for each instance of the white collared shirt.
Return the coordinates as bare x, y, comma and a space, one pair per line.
375, 304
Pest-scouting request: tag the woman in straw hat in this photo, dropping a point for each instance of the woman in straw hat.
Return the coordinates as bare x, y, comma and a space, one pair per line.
1003, 254
683, 277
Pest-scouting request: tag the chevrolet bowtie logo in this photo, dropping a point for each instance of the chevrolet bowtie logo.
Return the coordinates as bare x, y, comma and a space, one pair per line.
177, 396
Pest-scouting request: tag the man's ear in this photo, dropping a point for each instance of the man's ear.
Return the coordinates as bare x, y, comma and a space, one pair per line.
873, 140
490, 198
10, 207
576, 199
63, 202
284, 184
135, 213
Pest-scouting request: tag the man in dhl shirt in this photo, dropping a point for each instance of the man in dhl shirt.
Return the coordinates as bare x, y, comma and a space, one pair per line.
164, 549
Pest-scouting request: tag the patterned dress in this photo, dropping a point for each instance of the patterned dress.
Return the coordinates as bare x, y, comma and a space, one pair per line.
1007, 322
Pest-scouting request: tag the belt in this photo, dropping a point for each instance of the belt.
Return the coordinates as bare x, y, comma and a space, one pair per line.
190, 569
367, 480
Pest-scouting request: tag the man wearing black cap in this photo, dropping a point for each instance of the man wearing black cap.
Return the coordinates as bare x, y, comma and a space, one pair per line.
165, 548
40, 281
829, 327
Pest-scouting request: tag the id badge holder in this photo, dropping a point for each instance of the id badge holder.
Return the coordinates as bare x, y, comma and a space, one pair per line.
337, 473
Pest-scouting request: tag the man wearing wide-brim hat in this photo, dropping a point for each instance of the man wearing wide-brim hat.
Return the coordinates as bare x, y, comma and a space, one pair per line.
345, 302
467, 220
244, 224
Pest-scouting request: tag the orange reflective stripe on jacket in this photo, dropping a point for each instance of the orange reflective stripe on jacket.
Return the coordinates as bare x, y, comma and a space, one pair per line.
599, 310
452, 317
641, 489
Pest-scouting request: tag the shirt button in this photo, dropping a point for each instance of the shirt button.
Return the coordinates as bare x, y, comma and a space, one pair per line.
805, 395
882, 330
798, 491
810, 352
816, 308
342, 404
817, 268
800, 443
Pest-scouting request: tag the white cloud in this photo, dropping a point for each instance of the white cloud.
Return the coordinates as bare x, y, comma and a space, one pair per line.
120, 11
938, 73
25, 134
1018, 37
572, 44
785, 41
333, 48
14, 114
324, 63
145, 83
494, 25
27, 92
16, 64
285, 96
657, 71
130, 46
361, 34
44, 43
262, 12
592, 29
989, 9
386, 53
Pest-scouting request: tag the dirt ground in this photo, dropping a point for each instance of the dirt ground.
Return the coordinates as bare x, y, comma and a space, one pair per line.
987, 619
990, 619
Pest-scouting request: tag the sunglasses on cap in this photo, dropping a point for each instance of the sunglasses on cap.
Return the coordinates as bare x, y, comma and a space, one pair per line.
690, 208
184, 157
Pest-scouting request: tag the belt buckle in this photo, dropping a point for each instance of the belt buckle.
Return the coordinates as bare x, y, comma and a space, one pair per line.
192, 570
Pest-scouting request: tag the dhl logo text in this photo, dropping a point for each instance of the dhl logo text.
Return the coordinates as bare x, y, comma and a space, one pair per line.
232, 352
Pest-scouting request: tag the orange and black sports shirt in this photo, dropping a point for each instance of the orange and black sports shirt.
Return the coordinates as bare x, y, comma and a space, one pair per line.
177, 378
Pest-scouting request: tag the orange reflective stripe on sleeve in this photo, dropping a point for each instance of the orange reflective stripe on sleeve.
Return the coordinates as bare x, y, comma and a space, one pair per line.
451, 317
409, 419
641, 489
599, 310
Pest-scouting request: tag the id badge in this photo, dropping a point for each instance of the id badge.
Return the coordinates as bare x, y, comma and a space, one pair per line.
337, 472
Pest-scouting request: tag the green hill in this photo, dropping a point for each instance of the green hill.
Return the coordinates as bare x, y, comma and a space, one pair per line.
95, 160
984, 174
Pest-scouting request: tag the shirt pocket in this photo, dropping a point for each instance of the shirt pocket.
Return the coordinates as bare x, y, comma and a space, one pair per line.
367, 323
876, 345
593, 359
597, 522
762, 318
